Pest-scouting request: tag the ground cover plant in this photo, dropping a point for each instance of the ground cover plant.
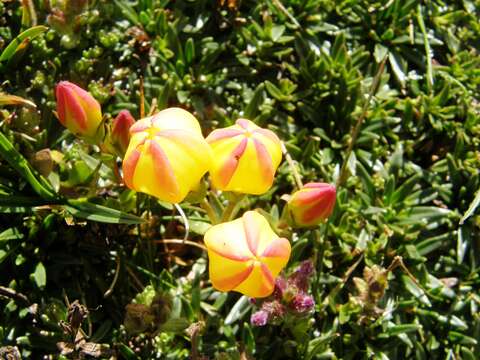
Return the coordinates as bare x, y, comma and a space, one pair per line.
337, 219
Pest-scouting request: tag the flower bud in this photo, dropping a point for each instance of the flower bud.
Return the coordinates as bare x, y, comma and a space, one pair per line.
245, 158
312, 204
246, 255
79, 112
167, 155
120, 135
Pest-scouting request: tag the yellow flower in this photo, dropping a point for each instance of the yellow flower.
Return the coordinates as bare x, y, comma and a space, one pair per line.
79, 112
167, 155
312, 204
245, 255
245, 158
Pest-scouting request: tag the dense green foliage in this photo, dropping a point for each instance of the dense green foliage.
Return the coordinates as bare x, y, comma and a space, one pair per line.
304, 69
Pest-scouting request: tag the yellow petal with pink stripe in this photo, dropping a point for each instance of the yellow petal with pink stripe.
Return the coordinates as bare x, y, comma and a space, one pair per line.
245, 158
167, 155
245, 255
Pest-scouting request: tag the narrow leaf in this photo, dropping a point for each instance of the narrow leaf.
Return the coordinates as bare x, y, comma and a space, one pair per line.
6, 99
93, 212
16, 160
471, 209
27, 34
40, 275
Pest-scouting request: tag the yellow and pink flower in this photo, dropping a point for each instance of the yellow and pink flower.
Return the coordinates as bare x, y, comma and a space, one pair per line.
167, 155
245, 158
312, 204
79, 112
245, 255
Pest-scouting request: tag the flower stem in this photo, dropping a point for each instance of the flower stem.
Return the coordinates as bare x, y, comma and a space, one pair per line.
356, 130
185, 221
231, 209
293, 168
181, 242
211, 213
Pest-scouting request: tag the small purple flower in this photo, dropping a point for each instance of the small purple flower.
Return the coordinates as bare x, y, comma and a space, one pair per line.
300, 278
305, 268
302, 303
274, 309
280, 287
259, 318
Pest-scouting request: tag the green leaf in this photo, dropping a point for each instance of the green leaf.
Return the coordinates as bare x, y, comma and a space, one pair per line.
189, 51
22, 201
380, 52
402, 329
6, 99
93, 212
96, 165
398, 66
27, 35
421, 215
40, 275
252, 108
460, 338
126, 352
102, 331
128, 11
174, 325
471, 209
319, 344
416, 291
276, 32
11, 234
238, 311
274, 91
16, 160
199, 227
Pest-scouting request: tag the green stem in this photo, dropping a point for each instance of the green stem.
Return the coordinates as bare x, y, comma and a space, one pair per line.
291, 165
231, 210
319, 253
356, 130
150, 246
185, 221
211, 213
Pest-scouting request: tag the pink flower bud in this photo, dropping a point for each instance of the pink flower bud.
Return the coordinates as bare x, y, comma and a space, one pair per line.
121, 131
312, 204
79, 112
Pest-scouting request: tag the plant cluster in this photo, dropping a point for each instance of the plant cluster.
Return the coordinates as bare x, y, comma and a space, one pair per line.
115, 243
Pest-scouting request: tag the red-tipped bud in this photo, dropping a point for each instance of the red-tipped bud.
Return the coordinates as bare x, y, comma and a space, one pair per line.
79, 112
120, 134
312, 204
